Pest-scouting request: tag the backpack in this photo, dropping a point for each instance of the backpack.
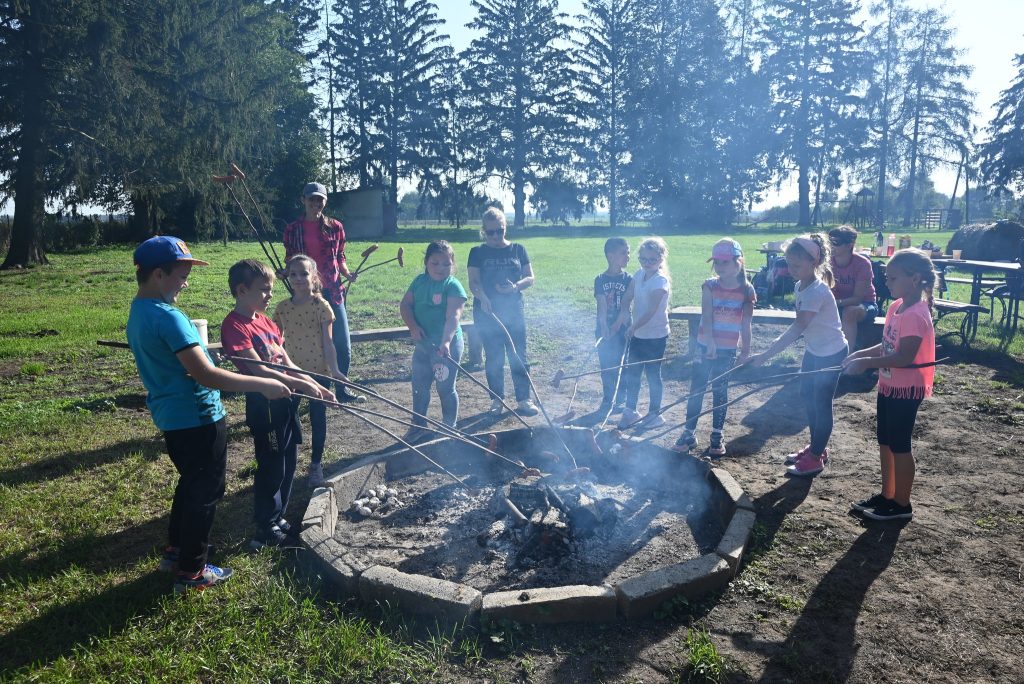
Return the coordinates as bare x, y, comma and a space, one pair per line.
882, 293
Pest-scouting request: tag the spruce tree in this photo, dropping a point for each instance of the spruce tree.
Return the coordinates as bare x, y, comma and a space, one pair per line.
1002, 155
816, 68
521, 85
938, 101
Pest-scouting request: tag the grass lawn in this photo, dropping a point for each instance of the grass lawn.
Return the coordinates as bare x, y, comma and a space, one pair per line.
85, 490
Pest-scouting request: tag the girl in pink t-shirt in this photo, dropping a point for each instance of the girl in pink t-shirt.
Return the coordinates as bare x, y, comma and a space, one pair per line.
908, 342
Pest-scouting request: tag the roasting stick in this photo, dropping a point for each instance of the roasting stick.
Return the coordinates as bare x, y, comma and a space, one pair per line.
361, 388
771, 379
780, 379
238, 173
533, 387
401, 441
618, 380
451, 432
366, 255
560, 374
484, 386
576, 385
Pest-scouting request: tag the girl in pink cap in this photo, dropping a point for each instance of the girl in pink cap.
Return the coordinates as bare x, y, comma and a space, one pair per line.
817, 320
727, 306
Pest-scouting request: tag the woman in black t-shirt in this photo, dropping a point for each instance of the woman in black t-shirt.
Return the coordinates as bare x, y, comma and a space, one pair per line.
499, 271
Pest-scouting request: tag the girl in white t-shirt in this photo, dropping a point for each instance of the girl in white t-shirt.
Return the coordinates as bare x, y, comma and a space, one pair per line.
649, 293
817, 320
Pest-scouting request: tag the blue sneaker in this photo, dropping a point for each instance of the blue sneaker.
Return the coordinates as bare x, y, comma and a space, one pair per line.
207, 577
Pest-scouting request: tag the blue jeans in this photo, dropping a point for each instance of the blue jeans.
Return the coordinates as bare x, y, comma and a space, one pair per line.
817, 392
424, 358
645, 350
496, 346
342, 341
609, 354
703, 370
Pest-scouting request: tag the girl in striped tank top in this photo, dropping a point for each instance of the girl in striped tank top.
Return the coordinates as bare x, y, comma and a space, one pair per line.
727, 306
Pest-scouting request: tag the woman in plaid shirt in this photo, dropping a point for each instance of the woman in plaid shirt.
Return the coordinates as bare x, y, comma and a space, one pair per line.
323, 239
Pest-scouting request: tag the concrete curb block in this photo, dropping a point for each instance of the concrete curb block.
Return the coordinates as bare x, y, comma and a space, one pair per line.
322, 511
448, 602
734, 540
640, 596
735, 497
572, 603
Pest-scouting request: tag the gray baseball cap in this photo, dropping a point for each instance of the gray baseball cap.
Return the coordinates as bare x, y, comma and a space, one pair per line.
313, 189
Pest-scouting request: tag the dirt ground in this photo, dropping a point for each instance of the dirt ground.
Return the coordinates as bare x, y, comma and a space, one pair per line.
823, 596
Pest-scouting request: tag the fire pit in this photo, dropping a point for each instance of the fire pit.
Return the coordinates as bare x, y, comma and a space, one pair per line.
634, 527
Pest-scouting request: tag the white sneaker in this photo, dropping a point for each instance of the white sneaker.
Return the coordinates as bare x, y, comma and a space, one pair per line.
653, 420
496, 406
316, 474
527, 408
630, 418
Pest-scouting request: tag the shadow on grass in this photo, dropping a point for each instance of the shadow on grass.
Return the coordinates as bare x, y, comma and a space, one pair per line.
822, 645
59, 629
73, 461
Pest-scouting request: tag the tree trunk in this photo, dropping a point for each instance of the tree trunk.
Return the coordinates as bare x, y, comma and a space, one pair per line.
804, 189
391, 203
29, 199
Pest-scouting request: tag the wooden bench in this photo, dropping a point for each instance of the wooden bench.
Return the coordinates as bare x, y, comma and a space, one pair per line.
968, 326
691, 314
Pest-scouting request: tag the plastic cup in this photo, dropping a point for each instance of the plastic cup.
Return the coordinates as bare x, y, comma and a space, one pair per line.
201, 326
956, 253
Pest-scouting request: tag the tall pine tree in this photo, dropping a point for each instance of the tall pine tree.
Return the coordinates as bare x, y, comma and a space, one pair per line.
816, 68
521, 85
1002, 155
938, 101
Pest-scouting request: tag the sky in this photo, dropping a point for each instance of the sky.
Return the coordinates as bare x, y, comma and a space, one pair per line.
991, 32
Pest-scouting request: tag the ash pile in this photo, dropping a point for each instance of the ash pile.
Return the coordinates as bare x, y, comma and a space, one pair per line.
537, 521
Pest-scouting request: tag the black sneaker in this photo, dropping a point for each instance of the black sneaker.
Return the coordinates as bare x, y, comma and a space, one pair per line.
867, 504
284, 526
349, 398
273, 536
716, 445
890, 510
686, 442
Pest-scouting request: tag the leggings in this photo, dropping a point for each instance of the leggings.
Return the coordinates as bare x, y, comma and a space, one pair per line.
817, 391
430, 369
704, 370
896, 418
645, 351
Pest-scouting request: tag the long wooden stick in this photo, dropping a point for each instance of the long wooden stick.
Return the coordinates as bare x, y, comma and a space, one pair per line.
540, 404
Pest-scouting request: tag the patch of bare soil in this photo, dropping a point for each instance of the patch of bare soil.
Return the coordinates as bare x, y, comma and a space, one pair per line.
823, 596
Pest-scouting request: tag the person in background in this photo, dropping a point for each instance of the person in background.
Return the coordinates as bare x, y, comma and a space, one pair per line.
817, 320
274, 425
609, 289
727, 307
182, 394
323, 238
499, 271
854, 287
306, 321
647, 301
432, 308
907, 340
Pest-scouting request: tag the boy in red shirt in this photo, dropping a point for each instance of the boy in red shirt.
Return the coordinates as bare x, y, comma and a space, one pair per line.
248, 332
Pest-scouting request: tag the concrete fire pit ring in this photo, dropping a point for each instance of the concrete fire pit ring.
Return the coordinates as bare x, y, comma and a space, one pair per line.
633, 597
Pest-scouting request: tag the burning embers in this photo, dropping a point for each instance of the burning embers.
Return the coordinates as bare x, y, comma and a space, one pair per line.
540, 520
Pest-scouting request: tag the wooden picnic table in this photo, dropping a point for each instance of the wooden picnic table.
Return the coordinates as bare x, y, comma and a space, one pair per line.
978, 269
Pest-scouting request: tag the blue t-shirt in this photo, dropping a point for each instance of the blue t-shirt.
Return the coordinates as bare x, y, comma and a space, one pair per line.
157, 331
430, 304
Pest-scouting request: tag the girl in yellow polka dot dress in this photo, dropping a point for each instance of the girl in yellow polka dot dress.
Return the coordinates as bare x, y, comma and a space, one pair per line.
306, 321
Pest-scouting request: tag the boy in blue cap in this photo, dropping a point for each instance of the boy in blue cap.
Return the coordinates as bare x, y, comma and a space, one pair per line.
183, 397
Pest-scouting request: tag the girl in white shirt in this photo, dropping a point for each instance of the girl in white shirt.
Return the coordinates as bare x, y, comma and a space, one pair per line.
817, 320
649, 292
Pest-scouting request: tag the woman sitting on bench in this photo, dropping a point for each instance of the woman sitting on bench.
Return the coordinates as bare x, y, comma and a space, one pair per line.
854, 289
